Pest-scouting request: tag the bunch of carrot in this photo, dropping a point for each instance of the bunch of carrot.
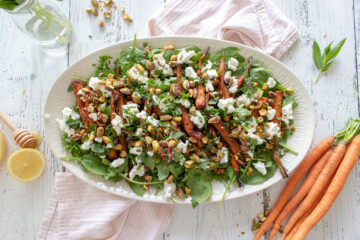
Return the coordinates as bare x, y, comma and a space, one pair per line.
328, 166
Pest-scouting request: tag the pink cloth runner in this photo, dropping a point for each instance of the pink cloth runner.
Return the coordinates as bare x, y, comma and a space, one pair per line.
79, 211
256, 23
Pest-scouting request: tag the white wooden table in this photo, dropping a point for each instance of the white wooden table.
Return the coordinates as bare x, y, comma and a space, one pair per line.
26, 74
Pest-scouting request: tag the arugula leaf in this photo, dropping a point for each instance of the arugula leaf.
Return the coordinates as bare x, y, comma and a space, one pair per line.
137, 188
103, 67
324, 61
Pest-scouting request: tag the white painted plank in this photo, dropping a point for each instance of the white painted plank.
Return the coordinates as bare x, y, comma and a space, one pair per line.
334, 96
24, 66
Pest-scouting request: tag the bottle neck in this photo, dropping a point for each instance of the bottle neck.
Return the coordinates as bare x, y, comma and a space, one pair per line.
24, 7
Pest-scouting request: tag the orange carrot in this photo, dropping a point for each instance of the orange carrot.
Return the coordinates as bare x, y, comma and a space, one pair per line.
301, 220
319, 184
222, 87
304, 166
301, 193
200, 101
83, 110
337, 183
277, 106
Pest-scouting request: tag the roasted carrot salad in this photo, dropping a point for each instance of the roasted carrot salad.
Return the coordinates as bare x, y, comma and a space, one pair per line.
176, 119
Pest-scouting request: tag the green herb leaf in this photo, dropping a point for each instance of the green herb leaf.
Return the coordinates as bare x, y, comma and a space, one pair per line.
324, 61
74, 123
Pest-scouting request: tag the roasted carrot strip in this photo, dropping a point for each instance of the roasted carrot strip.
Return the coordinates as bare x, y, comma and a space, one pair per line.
235, 165
277, 106
200, 102
224, 132
178, 76
240, 81
188, 124
77, 86
113, 104
169, 154
224, 92
200, 61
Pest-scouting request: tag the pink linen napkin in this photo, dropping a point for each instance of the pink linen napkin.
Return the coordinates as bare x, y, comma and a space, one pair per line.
256, 23
78, 210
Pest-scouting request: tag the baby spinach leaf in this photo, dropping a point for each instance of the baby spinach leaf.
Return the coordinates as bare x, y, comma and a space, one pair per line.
137, 188
199, 183
95, 167
99, 148
148, 161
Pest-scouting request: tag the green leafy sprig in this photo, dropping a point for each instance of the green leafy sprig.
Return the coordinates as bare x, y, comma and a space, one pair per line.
323, 61
10, 4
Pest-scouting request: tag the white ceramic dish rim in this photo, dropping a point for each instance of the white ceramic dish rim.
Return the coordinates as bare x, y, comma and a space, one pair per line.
84, 176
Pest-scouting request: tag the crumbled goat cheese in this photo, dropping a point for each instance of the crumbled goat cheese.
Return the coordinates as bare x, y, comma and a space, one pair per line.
130, 110
184, 56
80, 92
139, 131
47, 116
169, 189
185, 102
208, 65
94, 84
198, 119
109, 145
273, 129
271, 114
233, 87
99, 140
69, 113
86, 145
251, 133
225, 155
138, 76
212, 74
150, 153
288, 112
183, 146
160, 64
134, 171
243, 99
190, 72
136, 150
142, 115
152, 121
163, 103
209, 86
260, 166
117, 162
117, 124
271, 82
233, 64
64, 127
93, 116
227, 104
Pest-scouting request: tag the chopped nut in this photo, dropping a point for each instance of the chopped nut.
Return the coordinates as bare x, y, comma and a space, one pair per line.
219, 144
152, 91
88, 10
292, 128
172, 64
177, 119
263, 112
168, 47
260, 119
170, 179
255, 84
195, 158
126, 17
172, 143
103, 118
139, 143
192, 110
214, 120
179, 192
163, 143
75, 137
165, 117
289, 91
158, 91
187, 190
166, 131
95, 3
122, 9
99, 132
173, 58
192, 84
189, 164
125, 91
205, 140
136, 99
250, 171
186, 85
156, 146
118, 147
192, 139
149, 65
107, 2
107, 14
106, 139
101, 23
148, 140
264, 135
205, 76
213, 149
265, 87
123, 154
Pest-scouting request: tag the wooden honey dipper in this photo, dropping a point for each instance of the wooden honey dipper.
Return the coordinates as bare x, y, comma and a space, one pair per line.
21, 136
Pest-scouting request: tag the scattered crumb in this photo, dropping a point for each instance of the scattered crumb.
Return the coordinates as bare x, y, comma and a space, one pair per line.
268, 199
47, 116
324, 35
90, 36
242, 233
23, 91
237, 224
